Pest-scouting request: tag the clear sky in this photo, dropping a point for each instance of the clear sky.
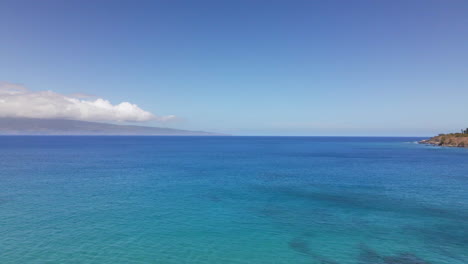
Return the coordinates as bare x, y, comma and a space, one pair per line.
251, 67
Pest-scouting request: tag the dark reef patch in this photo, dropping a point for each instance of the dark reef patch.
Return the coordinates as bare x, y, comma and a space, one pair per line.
366, 255
440, 237
404, 258
302, 246
364, 201
214, 197
370, 256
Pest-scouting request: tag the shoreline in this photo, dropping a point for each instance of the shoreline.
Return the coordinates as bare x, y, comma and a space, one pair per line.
457, 140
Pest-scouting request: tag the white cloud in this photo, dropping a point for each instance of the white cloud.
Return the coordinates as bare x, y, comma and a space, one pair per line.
18, 101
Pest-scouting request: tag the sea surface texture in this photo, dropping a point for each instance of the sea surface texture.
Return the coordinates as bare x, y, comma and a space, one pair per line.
165, 200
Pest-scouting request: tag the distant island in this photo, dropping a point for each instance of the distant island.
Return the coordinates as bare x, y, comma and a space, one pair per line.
34, 126
449, 140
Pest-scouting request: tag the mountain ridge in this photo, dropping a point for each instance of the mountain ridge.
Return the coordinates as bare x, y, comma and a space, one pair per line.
37, 126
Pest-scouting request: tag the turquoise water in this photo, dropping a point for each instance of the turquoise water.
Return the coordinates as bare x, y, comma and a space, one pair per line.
232, 200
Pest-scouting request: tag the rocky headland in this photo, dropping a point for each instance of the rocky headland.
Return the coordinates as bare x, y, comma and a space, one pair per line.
448, 140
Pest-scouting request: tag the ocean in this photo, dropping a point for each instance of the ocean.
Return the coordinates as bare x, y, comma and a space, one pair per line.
323, 200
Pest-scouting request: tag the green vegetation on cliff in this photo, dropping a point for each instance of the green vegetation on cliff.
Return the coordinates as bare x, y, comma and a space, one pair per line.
449, 140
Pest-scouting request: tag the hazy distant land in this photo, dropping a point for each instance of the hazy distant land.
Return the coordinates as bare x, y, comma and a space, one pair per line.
33, 126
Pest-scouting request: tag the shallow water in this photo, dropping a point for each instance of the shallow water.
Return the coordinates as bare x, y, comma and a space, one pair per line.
232, 200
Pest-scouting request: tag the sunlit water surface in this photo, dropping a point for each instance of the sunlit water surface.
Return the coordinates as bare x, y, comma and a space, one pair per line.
232, 200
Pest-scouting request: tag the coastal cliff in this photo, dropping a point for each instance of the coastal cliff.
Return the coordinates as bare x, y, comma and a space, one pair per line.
448, 140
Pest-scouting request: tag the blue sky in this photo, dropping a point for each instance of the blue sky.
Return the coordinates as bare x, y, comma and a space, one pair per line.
252, 67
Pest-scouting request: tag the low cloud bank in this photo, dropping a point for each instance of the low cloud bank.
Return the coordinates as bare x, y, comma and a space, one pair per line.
18, 101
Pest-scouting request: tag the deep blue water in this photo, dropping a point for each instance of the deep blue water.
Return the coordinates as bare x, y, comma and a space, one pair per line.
232, 200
